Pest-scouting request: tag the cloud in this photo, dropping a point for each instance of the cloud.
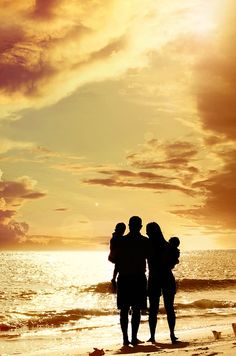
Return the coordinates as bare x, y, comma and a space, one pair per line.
156, 154
52, 243
71, 167
8, 145
207, 173
45, 10
215, 92
20, 190
116, 181
13, 232
6, 215
13, 194
25, 151
61, 209
216, 89
215, 75
50, 48
218, 208
180, 161
54, 44
157, 166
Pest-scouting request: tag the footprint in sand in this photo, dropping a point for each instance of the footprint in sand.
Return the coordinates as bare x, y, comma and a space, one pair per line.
97, 352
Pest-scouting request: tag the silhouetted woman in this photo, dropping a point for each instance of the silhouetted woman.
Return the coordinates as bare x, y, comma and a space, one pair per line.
161, 280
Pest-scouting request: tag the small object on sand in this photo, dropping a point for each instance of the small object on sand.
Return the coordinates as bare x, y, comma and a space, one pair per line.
97, 352
234, 328
217, 334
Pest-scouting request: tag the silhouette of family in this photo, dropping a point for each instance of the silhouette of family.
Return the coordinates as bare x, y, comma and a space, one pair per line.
130, 254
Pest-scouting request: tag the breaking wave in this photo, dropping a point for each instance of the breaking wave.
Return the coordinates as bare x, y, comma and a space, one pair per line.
183, 284
104, 287
195, 284
54, 319
206, 304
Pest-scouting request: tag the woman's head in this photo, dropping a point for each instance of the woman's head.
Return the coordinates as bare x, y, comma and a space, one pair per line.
153, 230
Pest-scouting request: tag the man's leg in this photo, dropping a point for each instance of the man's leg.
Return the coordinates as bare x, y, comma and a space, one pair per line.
153, 311
135, 321
124, 321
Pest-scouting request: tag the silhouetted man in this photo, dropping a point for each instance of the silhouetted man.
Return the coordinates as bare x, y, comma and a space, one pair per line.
131, 283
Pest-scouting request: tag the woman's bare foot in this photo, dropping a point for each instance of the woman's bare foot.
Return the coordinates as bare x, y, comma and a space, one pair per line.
173, 338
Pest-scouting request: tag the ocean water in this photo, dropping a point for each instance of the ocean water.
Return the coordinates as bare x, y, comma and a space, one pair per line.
66, 297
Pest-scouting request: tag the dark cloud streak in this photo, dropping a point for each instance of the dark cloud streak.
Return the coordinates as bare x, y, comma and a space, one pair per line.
13, 194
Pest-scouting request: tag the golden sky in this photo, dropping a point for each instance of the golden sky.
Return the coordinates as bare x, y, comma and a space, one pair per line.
117, 108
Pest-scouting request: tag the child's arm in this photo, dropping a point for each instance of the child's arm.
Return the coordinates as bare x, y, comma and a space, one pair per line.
112, 253
115, 272
113, 281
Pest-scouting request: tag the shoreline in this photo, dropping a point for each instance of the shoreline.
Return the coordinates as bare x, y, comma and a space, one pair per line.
194, 342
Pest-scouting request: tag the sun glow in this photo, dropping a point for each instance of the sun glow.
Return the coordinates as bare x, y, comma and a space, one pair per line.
203, 24
204, 20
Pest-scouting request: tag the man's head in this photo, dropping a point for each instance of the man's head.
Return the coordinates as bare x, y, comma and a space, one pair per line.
135, 224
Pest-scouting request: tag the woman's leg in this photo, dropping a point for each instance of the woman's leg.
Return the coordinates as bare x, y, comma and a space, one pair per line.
124, 321
170, 311
153, 311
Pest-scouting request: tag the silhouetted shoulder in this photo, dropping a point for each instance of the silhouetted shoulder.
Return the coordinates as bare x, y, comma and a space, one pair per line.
144, 239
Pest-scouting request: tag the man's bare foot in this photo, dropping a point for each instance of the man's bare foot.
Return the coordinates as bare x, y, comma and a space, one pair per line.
152, 340
136, 342
126, 342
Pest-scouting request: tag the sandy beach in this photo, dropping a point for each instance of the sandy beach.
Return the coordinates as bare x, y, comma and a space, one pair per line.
201, 347
197, 342
224, 347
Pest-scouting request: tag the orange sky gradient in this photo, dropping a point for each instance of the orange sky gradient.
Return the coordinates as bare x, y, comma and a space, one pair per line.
113, 109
